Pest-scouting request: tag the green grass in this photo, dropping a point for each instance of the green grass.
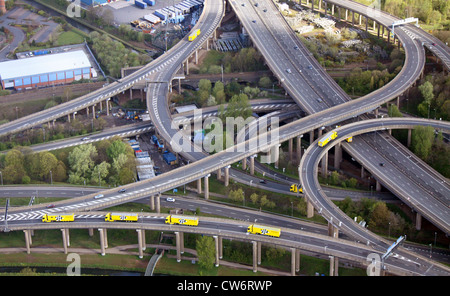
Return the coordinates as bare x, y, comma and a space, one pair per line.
69, 37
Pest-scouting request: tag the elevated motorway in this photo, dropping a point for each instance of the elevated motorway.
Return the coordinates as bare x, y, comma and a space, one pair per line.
201, 168
436, 212
232, 229
313, 89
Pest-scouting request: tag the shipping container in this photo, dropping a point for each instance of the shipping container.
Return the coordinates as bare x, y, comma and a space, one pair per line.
140, 4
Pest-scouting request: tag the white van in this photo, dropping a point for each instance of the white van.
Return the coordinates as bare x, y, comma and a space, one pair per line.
98, 196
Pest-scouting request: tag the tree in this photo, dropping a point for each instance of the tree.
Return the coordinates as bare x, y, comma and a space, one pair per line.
99, 173
265, 82
237, 195
205, 252
115, 149
422, 140
254, 198
379, 215
81, 162
426, 89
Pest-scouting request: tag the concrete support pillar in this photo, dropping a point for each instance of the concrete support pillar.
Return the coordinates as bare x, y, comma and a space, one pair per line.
187, 66
140, 243
252, 165
331, 265
220, 247
219, 174
291, 148
309, 207
346, 14
68, 118
362, 172
91, 232
367, 23
87, 110
378, 186
227, 175
93, 111
353, 18
418, 221
320, 5
297, 260
337, 156
107, 107
339, 12
100, 105
105, 233
244, 163
293, 260
207, 186
325, 165
360, 19
277, 155
378, 32
102, 241
374, 25
64, 236
334, 266
332, 9
27, 240
216, 241
158, 203
299, 148
259, 252
311, 137
178, 244
333, 231
255, 253
408, 143
152, 202
199, 186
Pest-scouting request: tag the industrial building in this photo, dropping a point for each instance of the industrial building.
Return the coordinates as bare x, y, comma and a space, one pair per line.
45, 70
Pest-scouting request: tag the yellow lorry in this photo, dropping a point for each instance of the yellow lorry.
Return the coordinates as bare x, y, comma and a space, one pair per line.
194, 35
327, 138
58, 218
182, 220
295, 188
126, 217
264, 230
349, 139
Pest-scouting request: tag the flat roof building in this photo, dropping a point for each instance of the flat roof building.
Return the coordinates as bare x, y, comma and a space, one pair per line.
45, 70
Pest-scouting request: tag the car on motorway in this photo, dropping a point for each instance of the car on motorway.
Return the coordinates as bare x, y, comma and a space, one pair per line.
98, 196
256, 4
85, 139
265, 9
50, 206
381, 163
309, 67
289, 71
319, 100
122, 190
170, 199
296, 47
262, 181
254, 21
434, 44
